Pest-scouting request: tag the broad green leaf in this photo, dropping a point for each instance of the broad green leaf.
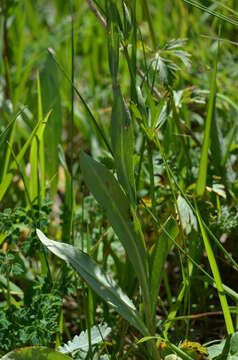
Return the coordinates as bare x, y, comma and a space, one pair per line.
226, 349
97, 279
215, 350
108, 193
6, 181
159, 255
35, 353
2, 237
202, 175
123, 143
123, 219
234, 344
49, 80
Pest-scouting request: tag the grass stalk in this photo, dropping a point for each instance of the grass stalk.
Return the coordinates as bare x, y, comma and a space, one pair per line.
71, 235
217, 277
145, 5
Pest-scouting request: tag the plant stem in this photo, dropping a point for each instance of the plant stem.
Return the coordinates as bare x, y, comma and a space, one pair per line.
71, 236
150, 23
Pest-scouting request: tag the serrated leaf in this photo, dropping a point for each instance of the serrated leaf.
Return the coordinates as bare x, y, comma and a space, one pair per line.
80, 342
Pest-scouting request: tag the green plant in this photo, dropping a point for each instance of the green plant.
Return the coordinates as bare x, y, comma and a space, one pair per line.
131, 168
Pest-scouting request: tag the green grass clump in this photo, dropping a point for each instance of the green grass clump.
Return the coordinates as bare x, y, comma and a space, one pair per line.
119, 141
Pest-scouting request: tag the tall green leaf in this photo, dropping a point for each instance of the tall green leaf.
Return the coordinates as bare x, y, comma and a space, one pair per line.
217, 145
217, 277
37, 152
6, 181
210, 11
67, 211
97, 279
202, 175
123, 143
122, 217
159, 255
49, 80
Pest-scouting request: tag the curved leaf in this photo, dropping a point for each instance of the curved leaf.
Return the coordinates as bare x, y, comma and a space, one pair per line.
6, 181
35, 353
97, 279
109, 194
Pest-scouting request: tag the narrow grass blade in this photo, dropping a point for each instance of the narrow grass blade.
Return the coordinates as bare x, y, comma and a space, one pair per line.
49, 80
97, 279
41, 140
67, 211
8, 151
13, 166
211, 12
159, 255
37, 152
217, 277
174, 309
101, 132
217, 145
202, 175
231, 138
230, 292
5, 155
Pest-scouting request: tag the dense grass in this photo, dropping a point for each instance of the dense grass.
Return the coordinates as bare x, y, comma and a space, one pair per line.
119, 140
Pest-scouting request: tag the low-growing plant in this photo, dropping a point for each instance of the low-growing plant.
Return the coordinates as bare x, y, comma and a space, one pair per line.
130, 167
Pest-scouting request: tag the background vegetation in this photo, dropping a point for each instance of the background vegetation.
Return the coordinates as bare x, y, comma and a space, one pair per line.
119, 140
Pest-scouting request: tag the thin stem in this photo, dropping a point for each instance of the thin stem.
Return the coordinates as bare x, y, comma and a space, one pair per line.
150, 23
72, 120
97, 14
89, 112
142, 149
151, 172
5, 50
